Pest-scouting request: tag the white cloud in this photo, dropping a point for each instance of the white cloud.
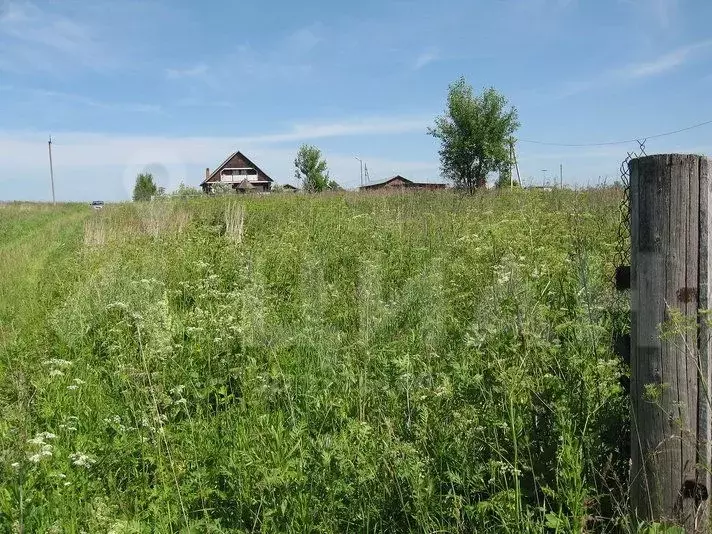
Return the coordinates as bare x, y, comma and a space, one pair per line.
35, 38
425, 58
302, 41
368, 126
82, 100
663, 12
195, 71
664, 63
83, 148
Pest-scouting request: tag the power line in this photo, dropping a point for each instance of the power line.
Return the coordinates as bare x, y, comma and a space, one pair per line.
610, 143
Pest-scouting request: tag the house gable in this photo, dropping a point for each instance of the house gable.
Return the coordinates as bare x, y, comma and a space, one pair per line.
237, 161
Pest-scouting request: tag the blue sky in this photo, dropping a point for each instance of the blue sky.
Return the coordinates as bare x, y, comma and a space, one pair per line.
174, 86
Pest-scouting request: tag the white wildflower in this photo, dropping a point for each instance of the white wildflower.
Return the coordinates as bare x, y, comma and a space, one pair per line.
15, 465
72, 387
55, 372
81, 460
79, 381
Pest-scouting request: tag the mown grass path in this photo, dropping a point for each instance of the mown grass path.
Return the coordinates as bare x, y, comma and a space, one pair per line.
35, 243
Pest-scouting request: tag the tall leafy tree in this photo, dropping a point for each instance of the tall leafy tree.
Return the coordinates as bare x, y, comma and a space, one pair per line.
475, 133
311, 169
145, 187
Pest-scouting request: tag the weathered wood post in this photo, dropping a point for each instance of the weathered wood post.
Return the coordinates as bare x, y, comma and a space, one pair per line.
670, 377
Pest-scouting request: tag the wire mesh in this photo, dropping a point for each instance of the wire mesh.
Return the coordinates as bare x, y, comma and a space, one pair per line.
622, 256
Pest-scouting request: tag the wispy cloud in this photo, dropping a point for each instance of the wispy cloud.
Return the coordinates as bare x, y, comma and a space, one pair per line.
288, 58
426, 58
660, 65
39, 39
664, 63
662, 12
82, 100
196, 71
186, 147
366, 126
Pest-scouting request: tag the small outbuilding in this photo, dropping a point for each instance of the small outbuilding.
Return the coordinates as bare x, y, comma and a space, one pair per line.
399, 182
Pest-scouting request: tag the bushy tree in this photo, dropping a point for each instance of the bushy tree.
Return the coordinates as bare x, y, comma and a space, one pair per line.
311, 169
186, 191
145, 187
475, 135
222, 189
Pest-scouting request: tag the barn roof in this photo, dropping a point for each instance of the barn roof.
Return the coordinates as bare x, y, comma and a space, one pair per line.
408, 183
388, 181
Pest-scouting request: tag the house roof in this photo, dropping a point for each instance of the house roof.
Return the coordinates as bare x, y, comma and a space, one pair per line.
241, 155
405, 181
388, 181
289, 186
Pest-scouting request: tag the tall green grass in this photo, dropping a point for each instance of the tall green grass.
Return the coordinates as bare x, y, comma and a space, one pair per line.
346, 363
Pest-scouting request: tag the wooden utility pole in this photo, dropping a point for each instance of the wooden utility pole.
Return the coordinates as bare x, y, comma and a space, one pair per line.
513, 156
51, 169
561, 174
670, 375
511, 165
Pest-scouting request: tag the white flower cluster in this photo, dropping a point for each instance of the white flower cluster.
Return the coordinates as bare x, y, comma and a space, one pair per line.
116, 422
42, 449
71, 423
76, 383
82, 460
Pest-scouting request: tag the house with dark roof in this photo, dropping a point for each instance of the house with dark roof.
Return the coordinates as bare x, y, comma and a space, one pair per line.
240, 173
399, 182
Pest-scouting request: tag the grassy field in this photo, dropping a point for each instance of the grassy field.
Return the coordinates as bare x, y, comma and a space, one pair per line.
349, 363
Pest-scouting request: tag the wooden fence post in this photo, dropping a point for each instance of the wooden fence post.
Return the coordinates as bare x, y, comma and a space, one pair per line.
671, 458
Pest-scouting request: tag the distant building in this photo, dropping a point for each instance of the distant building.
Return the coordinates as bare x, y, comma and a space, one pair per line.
239, 172
399, 182
289, 188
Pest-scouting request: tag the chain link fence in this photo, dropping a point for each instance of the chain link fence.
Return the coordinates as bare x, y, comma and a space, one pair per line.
622, 256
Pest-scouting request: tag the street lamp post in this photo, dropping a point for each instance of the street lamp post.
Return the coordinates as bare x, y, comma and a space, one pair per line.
361, 162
